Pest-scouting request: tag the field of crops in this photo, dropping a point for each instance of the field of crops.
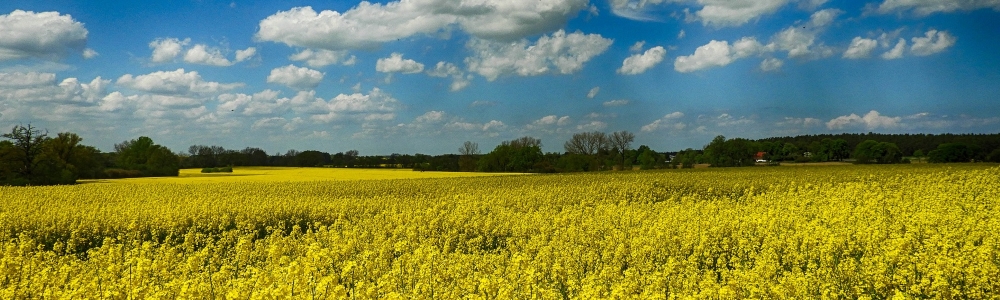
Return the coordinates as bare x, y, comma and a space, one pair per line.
876, 232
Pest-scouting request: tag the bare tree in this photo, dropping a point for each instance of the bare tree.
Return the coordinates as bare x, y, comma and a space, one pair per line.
622, 141
469, 148
589, 143
28, 142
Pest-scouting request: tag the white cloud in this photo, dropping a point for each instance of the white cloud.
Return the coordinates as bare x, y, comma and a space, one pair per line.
29, 79
166, 49
265, 102
736, 12
681, 35
799, 122
203, 55
801, 41
89, 53
870, 121
552, 120
175, 82
926, 7
896, 51
771, 64
47, 35
376, 105
725, 120
860, 48
556, 53
718, 54
592, 126
669, 121
38, 87
300, 78
637, 47
932, 42
434, 116
321, 58
242, 55
395, 63
593, 92
368, 25
619, 102
446, 69
639, 63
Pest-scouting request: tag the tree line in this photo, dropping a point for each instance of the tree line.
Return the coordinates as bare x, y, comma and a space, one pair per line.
30, 156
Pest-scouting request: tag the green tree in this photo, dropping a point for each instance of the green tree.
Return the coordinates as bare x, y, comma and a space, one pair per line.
873, 152
150, 159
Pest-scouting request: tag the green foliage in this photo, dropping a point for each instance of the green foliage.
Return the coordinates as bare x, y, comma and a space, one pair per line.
872, 152
521, 155
736, 152
147, 157
953, 152
217, 170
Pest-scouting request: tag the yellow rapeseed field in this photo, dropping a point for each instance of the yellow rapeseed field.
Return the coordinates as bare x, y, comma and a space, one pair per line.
847, 232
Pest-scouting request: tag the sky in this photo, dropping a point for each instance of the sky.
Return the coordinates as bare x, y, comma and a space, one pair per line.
423, 76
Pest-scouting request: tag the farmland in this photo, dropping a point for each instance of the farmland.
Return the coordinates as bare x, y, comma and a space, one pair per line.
766, 232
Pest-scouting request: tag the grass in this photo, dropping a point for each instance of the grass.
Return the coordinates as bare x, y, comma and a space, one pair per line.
262, 174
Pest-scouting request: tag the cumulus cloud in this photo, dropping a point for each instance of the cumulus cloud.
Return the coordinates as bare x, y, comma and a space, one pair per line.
711, 13
89, 53
245, 54
395, 63
43, 87
771, 64
593, 92
619, 102
860, 48
923, 8
368, 25
592, 126
46, 35
552, 120
265, 102
718, 54
801, 41
639, 63
870, 121
203, 55
799, 122
669, 121
321, 58
175, 82
300, 78
637, 47
896, 51
446, 69
559, 53
932, 42
166, 49
376, 105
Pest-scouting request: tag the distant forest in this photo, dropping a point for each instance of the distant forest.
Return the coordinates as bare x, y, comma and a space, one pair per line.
31, 156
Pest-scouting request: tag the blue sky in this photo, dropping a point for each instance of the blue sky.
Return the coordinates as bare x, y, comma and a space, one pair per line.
423, 76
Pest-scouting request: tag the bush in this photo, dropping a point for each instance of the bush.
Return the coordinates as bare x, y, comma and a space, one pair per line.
122, 173
217, 170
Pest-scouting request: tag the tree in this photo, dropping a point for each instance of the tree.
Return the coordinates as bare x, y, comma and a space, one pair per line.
144, 155
873, 152
919, 154
648, 159
27, 145
587, 143
469, 151
952, 152
519, 155
621, 141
